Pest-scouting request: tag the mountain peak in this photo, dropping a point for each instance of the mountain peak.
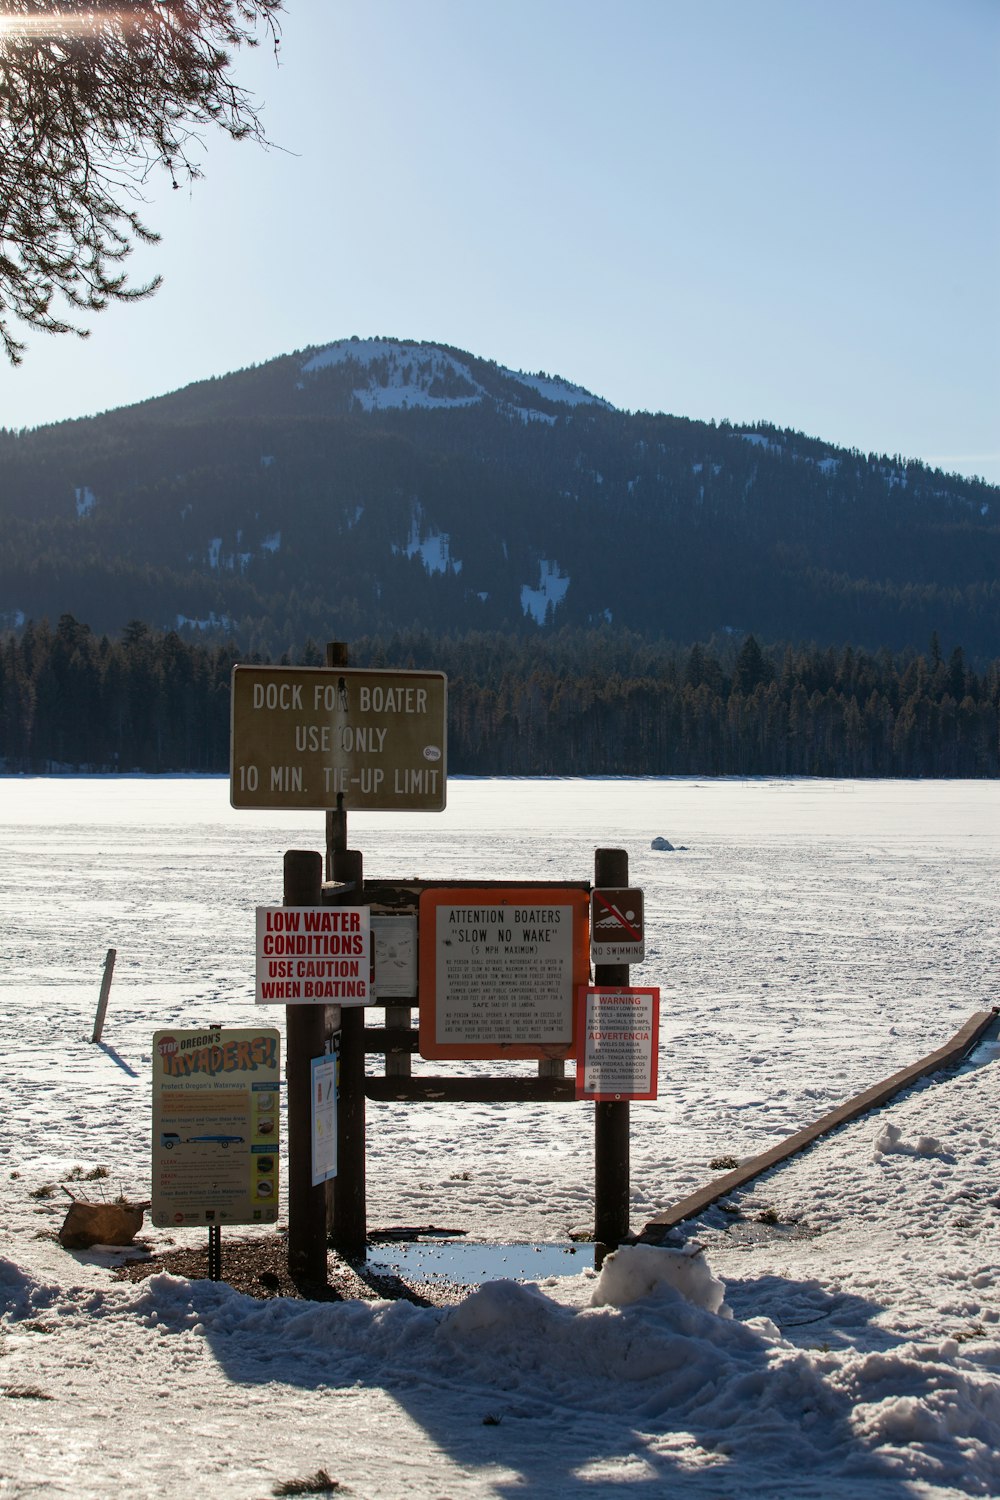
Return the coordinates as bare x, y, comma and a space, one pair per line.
398, 374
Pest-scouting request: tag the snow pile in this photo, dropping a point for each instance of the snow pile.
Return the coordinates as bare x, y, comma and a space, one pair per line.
20, 1294
659, 1385
889, 1140
638, 1271
926, 1413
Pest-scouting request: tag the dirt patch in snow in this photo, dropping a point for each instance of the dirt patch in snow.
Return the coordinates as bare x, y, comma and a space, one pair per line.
258, 1267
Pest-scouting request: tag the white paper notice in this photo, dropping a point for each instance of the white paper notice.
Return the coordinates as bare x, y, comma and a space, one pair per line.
395, 943
324, 1119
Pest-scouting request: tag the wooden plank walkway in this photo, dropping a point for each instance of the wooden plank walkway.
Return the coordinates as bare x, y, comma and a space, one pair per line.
951, 1053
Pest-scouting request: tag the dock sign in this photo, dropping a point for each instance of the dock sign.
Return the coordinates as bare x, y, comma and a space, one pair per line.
327, 737
617, 933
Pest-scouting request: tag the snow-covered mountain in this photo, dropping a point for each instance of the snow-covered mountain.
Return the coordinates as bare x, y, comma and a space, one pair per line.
368, 485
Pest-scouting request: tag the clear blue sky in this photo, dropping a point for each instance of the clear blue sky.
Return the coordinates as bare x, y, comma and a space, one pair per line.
777, 209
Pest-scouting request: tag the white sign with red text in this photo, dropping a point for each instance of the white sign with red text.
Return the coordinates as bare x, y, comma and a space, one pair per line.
313, 955
618, 1030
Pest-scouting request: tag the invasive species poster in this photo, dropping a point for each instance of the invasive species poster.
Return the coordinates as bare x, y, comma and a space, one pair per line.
215, 1126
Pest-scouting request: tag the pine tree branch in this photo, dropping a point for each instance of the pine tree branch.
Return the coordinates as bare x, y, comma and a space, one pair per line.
92, 101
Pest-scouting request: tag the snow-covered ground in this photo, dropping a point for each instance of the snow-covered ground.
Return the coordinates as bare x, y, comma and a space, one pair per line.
837, 1333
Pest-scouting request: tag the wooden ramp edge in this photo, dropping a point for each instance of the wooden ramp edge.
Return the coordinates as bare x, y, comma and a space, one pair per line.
950, 1054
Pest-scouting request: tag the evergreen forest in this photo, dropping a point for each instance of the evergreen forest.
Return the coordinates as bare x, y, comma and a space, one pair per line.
555, 703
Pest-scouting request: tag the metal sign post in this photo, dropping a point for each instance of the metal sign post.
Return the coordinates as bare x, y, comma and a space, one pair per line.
215, 1252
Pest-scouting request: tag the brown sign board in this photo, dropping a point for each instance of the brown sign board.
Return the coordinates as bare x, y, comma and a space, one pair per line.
617, 932
499, 967
304, 737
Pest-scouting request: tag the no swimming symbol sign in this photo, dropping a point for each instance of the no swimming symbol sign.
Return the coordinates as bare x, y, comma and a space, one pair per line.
617, 931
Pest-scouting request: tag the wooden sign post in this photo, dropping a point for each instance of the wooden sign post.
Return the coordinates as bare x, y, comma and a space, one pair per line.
102, 1003
347, 1202
306, 1032
611, 1119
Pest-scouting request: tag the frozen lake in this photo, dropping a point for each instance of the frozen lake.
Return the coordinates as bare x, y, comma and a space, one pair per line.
808, 939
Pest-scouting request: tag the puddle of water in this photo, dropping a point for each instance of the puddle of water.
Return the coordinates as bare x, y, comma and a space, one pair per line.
470, 1265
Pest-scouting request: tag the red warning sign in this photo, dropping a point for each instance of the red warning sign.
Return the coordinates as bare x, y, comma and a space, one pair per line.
618, 1046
